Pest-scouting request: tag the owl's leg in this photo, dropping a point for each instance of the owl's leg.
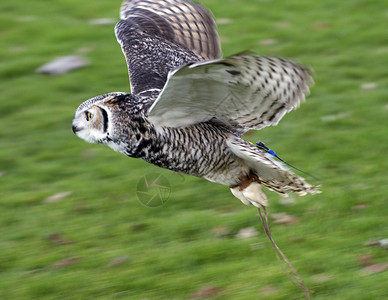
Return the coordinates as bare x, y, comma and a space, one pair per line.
251, 194
239, 195
254, 193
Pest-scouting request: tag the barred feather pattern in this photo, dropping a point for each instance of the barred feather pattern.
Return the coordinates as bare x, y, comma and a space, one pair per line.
149, 58
158, 36
182, 22
207, 150
243, 91
270, 173
200, 150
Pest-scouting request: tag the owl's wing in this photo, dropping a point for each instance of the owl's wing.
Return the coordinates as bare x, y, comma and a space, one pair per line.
243, 92
272, 174
157, 36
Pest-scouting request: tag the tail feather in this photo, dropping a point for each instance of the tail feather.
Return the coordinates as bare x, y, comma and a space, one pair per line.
270, 173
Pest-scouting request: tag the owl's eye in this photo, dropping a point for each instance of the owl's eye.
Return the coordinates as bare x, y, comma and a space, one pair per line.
89, 116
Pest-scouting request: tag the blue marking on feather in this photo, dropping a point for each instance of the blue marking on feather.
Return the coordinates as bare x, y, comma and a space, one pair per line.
263, 147
270, 151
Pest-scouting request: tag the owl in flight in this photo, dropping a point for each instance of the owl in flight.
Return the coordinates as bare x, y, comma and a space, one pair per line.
189, 107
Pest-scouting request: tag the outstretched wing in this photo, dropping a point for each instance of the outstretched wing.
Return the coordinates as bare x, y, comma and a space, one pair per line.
243, 92
158, 36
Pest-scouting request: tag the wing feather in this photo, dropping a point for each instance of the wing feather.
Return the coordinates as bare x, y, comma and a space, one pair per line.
185, 23
272, 174
158, 36
243, 92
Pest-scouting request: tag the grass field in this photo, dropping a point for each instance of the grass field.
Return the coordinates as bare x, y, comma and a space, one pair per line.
97, 241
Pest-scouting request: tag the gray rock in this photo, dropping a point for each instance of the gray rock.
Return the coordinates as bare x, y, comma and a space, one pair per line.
368, 86
103, 21
384, 243
247, 233
57, 197
63, 65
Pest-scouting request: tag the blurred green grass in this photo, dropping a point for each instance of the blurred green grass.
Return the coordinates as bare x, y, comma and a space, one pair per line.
339, 135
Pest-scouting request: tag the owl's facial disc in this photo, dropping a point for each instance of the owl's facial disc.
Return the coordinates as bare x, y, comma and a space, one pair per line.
91, 124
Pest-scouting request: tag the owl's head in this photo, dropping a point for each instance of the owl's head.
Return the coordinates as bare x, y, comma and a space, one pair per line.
94, 119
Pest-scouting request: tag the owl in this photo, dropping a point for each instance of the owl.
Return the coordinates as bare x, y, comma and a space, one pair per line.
189, 107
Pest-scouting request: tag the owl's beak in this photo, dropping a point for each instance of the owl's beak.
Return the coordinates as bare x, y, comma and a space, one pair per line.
75, 129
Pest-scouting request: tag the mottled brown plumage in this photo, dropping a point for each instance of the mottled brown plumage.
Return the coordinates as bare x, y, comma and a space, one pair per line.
189, 107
